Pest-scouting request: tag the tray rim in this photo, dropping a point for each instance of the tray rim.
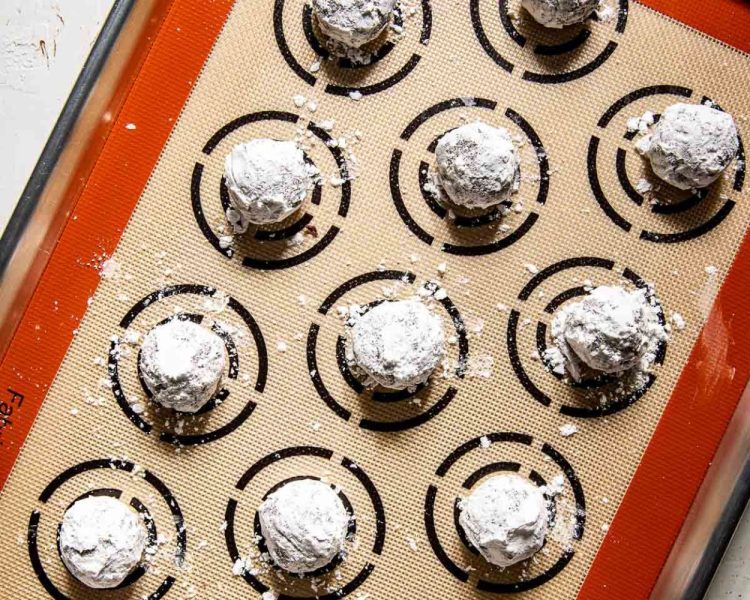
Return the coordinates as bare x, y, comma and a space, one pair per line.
696, 572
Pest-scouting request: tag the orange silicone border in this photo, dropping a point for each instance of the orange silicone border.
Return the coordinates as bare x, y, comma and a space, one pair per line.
725, 20
683, 444
689, 432
43, 336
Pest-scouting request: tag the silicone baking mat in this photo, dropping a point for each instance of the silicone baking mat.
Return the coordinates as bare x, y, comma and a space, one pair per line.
222, 72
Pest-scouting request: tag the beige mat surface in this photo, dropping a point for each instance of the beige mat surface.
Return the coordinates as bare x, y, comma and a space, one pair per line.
397, 461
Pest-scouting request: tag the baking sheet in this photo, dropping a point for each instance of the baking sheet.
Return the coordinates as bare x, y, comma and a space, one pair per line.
386, 456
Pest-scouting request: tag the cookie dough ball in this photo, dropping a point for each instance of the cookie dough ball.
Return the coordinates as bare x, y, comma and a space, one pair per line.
398, 344
304, 524
691, 145
267, 181
505, 518
610, 331
101, 541
353, 23
182, 364
557, 14
477, 165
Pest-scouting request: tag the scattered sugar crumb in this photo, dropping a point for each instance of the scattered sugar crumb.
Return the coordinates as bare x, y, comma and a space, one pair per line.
678, 320
485, 442
643, 186
299, 100
568, 430
355, 95
238, 568
533, 269
130, 126
109, 269
555, 487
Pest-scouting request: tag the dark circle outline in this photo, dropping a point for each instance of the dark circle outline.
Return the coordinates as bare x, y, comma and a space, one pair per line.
349, 465
339, 90
340, 410
270, 264
542, 78
119, 465
260, 382
651, 236
515, 358
661, 209
442, 106
508, 25
455, 249
488, 586
564, 47
495, 467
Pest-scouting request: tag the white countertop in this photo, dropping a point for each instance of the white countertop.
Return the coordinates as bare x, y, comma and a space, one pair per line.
35, 80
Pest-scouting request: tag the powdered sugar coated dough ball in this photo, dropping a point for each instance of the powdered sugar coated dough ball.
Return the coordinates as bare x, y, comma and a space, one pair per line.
477, 165
182, 364
267, 181
398, 344
304, 524
101, 541
505, 518
691, 145
353, 23
610, 331
557, 14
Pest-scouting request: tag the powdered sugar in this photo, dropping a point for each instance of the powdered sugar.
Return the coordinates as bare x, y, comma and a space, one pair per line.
610, 331
560, 13
182, 364
353, 23
505, 518
397, 344
691, 145
101, 541
477, 165
267, 181
304, 524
